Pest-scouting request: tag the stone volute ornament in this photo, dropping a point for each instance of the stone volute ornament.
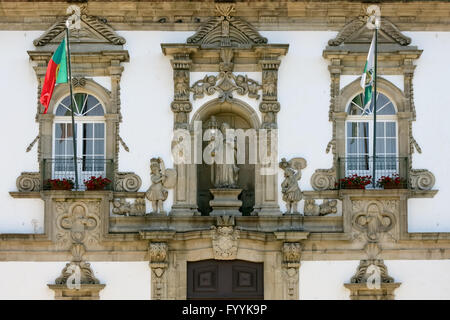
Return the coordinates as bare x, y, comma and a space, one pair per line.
289, 187
162, 179
28, 182
127, 182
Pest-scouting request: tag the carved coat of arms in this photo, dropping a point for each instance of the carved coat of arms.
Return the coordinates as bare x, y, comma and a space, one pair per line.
224, 242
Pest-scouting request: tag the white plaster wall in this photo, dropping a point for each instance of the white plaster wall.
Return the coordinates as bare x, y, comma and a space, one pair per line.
323, 280
420, 279
28, 280
431, 130
146, 94
18, 89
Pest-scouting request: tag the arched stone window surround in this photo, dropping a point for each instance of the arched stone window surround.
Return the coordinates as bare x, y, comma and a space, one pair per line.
404, 117
110, 118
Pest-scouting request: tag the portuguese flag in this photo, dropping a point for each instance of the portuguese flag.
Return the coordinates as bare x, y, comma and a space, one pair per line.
56, 73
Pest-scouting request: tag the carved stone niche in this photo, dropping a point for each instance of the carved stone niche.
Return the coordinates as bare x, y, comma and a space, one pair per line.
371, 280
225, 44
347, 54
77, 280
96, 51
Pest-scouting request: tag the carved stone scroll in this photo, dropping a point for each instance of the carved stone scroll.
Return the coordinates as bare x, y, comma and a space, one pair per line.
28, 182
422, 179
127, 182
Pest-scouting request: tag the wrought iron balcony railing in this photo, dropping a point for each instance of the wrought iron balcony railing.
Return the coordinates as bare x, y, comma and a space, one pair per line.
64, 168
390, 172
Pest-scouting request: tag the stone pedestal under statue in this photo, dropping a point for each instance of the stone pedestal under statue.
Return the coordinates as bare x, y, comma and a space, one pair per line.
225, 202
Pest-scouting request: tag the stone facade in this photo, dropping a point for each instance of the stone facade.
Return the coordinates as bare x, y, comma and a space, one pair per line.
114, 225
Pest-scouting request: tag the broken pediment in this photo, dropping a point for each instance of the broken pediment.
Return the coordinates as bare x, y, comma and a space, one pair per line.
92, 31
356, 32
226, 31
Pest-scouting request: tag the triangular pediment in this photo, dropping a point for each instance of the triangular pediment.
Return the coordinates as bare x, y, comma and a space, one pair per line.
356, 32
226, 31
92, 31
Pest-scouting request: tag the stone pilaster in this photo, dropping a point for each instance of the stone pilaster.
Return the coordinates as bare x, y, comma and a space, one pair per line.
291, 252
158, 253
181, 106
269, 105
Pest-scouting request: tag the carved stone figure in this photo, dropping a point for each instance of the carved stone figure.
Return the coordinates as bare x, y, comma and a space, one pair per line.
161, 178
313, 209
125, 208
181, 84
225, 175
224, 242
289, 187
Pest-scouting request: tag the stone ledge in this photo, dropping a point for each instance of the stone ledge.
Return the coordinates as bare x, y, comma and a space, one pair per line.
360, 291
25, 195
86, 292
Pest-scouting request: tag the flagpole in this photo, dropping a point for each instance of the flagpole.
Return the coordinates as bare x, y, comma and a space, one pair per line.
375, 106
71, 108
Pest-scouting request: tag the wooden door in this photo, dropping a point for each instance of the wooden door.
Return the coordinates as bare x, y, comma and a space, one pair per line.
213, 279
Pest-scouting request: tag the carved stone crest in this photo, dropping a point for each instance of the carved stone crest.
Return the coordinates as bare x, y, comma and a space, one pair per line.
77, 222
373, 218
225, 242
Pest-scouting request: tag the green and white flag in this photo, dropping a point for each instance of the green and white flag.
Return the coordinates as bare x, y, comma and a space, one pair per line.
367, 76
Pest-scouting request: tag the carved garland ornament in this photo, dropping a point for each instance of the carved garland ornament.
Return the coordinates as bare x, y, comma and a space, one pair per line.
226, 82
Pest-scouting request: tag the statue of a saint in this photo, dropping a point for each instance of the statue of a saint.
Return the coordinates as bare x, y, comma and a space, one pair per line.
225, 175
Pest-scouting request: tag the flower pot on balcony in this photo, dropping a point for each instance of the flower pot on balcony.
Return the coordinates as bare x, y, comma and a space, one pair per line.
96, 183
393, 186
359, 187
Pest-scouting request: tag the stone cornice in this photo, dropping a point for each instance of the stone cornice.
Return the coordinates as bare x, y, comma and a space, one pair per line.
264, 15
